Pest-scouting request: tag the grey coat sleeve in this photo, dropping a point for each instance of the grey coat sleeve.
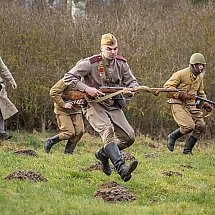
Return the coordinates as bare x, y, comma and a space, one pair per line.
128, 78
74, 76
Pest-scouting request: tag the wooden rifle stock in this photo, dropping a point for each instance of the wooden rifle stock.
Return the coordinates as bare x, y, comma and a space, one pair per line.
76, 95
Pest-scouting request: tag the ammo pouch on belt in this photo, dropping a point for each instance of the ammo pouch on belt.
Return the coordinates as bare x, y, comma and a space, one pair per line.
119, 101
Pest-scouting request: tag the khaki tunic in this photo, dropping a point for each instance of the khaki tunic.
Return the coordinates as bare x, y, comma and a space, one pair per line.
69, 121
105, 117
187, 116
7, 108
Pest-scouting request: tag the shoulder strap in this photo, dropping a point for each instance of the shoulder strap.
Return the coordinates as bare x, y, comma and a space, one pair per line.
95, 58
121, 58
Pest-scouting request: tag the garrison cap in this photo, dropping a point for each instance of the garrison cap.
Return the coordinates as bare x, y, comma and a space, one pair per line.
108, 39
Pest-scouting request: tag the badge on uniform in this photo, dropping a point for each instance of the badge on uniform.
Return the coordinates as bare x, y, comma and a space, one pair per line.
101, 70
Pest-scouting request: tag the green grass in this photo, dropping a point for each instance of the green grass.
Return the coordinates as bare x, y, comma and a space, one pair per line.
69, 190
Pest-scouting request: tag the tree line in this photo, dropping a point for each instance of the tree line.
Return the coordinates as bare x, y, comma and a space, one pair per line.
40, 46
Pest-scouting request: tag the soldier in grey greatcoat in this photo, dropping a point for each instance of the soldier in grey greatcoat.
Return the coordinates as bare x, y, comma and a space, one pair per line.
184, 110
106, 117
7, 108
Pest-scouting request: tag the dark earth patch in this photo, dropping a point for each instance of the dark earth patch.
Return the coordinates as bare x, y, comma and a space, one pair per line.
150, 155
98, 166
26, 175
112, 192
127, 156
29, 152
150, 145
171, 173
186, 166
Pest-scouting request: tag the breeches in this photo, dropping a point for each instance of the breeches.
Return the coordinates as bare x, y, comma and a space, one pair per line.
71, 126
111, 125
189, 119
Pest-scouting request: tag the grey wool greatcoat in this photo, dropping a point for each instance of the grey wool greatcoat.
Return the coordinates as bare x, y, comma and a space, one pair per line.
105, 117
7, 108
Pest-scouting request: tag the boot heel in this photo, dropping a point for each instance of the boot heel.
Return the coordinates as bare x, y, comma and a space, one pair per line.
126, 176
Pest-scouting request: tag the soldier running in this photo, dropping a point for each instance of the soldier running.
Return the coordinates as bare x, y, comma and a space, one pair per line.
188, 117
107, 117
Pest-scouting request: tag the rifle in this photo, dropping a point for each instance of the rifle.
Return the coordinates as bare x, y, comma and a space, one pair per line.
83, 96
198, 100
76, 95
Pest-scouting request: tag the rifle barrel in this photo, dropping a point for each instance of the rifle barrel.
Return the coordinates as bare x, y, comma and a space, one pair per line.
203, 99
111, 88
166, 90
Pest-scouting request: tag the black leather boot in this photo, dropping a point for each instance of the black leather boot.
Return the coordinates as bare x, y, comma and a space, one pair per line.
123, 170
190, 143
5, 136
172, 138
70, 146
50, 142
102, 156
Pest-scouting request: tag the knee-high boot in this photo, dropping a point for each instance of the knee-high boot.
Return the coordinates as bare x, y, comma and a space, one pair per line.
103, 157
172, 138
123, 170
70, 147
50, 142
190, 143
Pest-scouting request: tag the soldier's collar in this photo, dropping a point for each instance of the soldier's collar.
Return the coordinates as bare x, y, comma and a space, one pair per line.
107, 62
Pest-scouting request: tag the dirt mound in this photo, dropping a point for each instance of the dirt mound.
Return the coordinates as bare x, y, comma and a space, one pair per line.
186, 166
26, 174
112, 192
27, 152
96, 166
150, 145
150, 155
171, 173
127, 156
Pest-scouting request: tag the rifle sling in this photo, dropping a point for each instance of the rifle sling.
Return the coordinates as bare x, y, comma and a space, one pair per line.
108, 96
142, 88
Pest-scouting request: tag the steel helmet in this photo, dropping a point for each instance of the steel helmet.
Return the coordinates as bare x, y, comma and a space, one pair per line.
197, 58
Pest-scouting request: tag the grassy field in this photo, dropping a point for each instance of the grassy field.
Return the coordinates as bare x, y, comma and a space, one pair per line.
70, 190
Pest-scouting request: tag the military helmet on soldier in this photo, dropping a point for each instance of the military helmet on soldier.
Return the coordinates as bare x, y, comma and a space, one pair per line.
197, 58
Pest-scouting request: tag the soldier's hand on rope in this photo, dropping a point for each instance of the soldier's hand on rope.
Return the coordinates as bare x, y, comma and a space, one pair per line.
92, 91
128, 93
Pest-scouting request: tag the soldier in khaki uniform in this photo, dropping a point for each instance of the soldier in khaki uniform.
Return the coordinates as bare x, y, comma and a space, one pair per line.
69, 119
106, 117
7, 108
184, 110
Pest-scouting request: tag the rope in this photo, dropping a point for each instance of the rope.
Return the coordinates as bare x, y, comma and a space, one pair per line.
135, 89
